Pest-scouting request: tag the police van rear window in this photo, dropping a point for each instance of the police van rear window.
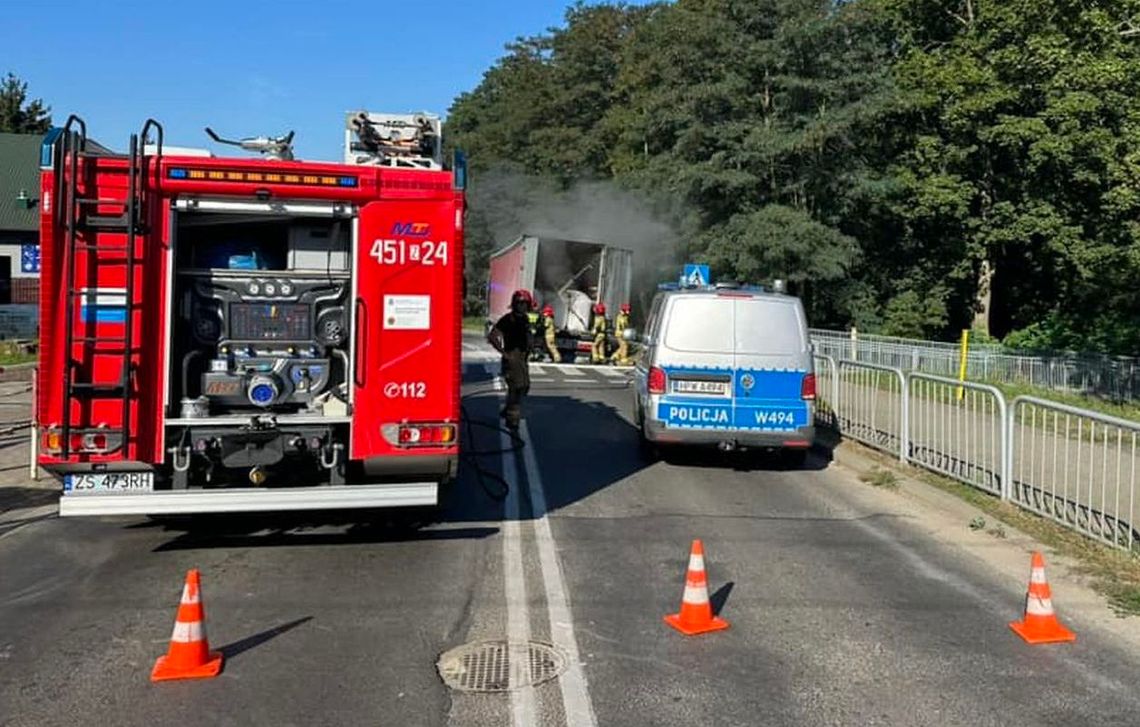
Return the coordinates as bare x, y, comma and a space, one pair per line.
761, 326
767, 326
702, 325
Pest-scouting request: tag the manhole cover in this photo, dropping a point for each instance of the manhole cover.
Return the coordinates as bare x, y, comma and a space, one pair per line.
500, 666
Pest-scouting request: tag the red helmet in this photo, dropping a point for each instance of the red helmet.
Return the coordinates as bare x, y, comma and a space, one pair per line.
524, 295
600, 309
625, 308
548, 310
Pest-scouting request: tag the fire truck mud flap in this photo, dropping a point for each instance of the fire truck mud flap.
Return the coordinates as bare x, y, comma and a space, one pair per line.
187, 502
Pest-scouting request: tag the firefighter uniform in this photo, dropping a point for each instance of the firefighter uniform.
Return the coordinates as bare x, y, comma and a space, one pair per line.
548, 334
621, 356
511, 335
598, 351
534, 321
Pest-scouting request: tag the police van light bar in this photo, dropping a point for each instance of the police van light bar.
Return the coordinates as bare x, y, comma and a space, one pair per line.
238, 175
718, 286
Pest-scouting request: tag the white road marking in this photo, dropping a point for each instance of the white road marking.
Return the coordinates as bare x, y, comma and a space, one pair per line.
523, 704
575, 694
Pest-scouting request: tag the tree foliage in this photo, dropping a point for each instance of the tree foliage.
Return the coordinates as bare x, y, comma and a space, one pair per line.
18, 115
895, 160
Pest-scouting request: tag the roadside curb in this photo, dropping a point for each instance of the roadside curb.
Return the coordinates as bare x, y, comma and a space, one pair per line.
854, 457
17, 372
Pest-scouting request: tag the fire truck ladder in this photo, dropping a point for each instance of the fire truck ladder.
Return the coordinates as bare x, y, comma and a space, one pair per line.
81, 215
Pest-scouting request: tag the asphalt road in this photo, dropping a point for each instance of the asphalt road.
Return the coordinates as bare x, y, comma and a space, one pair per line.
843, 611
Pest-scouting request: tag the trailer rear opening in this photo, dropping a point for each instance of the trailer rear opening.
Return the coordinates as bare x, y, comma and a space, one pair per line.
568, 275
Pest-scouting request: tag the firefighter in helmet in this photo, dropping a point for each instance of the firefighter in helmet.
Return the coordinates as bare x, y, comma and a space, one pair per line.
548, 333
512, 338
599, 329
621, 323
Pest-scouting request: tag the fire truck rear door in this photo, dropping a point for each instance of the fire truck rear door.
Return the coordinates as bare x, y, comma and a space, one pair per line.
406, 321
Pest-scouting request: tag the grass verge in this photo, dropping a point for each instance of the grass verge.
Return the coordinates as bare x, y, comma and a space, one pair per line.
473, 323
1113, 573
1127, 410
15, 353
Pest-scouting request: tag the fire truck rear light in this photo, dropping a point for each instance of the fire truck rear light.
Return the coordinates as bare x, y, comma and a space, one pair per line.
657, 380
426, 435
95, 442
53, 441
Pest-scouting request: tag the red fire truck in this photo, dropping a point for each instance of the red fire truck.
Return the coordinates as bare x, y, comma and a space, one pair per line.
250, 334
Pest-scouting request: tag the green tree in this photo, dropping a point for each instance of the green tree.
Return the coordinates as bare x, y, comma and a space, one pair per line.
19, 115
909, 165
1024, 170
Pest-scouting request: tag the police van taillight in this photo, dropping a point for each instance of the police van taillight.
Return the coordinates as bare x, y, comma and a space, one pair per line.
657, 380
807, 388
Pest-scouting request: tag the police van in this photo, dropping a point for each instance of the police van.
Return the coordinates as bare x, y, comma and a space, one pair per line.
727, 366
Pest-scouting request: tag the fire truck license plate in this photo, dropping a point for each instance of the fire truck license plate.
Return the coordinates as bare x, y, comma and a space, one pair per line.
109, 482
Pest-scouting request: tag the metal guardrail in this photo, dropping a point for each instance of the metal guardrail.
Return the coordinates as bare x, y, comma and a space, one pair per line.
958, 429
1116, 378
1075, 466
826, 391
869, 405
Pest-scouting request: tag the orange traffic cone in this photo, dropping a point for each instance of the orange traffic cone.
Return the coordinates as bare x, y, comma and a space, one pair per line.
1040, 625
696, 616
189, 656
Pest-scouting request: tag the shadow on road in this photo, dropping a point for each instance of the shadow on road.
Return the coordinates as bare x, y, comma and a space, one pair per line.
12, 497
276, 530
234, 648
718, 599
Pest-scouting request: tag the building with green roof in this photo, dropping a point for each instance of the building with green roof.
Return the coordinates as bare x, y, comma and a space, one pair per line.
19, 218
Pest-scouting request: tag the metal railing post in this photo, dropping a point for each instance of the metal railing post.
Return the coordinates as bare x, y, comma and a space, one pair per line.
34, 445
904, 433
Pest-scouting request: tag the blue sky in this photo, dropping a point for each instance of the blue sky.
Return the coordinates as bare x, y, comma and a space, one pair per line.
248, 67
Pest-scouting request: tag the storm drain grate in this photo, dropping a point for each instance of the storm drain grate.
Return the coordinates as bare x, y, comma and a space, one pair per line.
500, 666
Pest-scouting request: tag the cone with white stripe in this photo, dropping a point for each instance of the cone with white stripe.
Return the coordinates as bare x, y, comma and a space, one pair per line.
1040, 625
696, 616
189, 656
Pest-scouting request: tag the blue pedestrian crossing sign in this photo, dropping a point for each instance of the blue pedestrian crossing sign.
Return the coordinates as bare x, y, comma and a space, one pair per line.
696, 276
29, 258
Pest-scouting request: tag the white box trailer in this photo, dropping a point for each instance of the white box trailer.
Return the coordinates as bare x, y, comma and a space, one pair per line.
569, 275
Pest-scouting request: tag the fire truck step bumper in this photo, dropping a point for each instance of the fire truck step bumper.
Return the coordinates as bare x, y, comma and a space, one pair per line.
185, 502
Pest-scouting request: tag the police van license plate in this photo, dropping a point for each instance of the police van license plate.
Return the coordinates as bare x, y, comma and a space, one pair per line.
717, 388
109, 482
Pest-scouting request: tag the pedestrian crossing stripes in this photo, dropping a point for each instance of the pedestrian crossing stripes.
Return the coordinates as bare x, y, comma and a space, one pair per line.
552, 374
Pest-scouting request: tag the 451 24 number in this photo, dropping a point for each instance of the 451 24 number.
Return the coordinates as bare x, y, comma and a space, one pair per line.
402, 252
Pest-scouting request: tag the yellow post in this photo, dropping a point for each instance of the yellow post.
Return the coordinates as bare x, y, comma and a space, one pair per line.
962, 362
